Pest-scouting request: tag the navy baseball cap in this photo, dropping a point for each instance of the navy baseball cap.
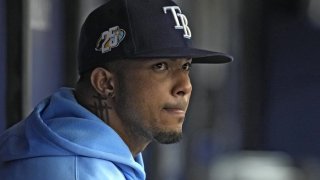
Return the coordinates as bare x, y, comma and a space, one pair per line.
139, 29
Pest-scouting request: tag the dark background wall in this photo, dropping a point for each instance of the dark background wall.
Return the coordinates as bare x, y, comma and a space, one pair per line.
292, 71
2, 65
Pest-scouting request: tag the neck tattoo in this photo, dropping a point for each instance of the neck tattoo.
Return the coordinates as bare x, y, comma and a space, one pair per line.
100, 107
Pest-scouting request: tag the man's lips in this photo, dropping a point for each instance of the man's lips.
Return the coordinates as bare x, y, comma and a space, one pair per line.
177, 110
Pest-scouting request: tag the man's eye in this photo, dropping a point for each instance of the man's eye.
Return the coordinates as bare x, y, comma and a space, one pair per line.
187, 66
160, 66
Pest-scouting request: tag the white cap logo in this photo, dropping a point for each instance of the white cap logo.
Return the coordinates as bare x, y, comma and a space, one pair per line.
110, 39
180, 19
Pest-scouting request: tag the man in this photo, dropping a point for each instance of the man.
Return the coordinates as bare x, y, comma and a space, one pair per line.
134, 88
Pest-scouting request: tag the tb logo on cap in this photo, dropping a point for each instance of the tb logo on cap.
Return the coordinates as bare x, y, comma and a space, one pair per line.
180, 24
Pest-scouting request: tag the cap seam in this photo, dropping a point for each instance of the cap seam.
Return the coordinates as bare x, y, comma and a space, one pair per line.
130, 26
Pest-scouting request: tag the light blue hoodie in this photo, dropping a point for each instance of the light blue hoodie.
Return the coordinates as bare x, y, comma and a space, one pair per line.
61, 140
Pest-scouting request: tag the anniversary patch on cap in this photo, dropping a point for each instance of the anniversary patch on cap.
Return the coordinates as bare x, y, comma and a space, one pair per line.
110, 39
134, 29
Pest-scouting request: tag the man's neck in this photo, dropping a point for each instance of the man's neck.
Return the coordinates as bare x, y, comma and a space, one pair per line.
136, 143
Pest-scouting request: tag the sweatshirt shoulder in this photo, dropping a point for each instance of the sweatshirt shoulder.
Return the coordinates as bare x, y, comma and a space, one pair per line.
91, 169
65, 167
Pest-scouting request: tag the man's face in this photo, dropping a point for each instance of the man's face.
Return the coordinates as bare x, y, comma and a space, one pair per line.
152, 96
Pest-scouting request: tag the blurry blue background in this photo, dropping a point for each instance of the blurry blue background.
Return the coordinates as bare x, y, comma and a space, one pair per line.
260, 111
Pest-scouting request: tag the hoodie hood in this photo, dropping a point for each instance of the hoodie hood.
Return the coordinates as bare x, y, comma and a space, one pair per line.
59, 126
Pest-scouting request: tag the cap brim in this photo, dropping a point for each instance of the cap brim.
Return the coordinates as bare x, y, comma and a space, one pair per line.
197, 55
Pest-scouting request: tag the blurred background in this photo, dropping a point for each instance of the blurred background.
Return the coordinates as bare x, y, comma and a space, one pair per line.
257, 118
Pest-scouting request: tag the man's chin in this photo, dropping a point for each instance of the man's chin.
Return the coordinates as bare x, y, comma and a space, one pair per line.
168, 137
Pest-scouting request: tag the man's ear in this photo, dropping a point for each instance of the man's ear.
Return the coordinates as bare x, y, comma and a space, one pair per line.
102, 81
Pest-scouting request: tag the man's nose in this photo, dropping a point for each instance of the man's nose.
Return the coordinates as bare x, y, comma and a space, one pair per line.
182, 86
